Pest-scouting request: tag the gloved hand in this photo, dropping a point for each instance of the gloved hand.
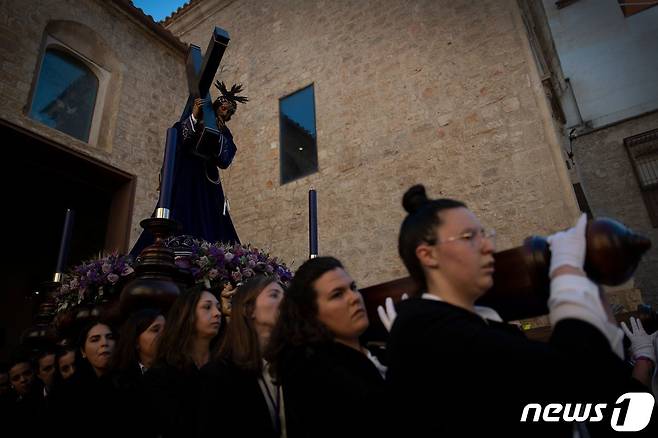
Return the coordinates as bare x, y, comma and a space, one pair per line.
568, 247
641, 342
387, 316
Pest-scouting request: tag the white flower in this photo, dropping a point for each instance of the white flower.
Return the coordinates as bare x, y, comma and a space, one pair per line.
204, 261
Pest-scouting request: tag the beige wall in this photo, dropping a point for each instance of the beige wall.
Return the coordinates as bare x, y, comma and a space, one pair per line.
612, 189
146, 93
442, 93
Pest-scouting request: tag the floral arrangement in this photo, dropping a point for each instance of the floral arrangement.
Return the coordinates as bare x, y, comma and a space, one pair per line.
93, 281
217, 265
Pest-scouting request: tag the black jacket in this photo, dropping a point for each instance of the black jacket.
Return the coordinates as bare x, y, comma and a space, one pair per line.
173, 399
454, 374
331, 390
86, 405
232, 403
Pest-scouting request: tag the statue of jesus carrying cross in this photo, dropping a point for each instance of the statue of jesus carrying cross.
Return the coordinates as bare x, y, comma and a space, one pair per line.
204, 146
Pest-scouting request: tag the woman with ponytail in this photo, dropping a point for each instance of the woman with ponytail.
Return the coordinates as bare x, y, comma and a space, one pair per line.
480, 373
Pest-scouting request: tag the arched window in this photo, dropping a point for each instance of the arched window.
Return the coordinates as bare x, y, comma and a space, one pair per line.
65, 94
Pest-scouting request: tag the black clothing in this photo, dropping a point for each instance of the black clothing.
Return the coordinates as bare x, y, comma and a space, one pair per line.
451, 373
232, 403
133, 402
173, 399
331, 390
27, 414
85, 405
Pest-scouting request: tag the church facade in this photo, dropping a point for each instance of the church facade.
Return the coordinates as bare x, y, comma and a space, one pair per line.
445, 94
359, 100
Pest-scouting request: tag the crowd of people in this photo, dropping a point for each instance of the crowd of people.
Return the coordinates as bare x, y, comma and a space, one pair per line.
288, 362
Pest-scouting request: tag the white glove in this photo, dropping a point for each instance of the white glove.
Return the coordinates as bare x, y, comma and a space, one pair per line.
576, 297
387, 316
568, 247
641, 342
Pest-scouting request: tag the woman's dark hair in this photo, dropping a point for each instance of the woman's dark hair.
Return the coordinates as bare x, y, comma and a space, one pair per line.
298, 322
240, 344
63, 350
125, 355
420, 226
86, 328
176, 341
82, 365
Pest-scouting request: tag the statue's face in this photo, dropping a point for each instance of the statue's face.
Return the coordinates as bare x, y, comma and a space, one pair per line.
225, 111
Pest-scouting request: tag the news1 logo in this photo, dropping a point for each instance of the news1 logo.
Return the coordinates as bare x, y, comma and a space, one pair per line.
631, 412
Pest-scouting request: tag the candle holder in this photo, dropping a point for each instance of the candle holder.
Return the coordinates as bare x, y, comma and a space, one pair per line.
155, 268
42, 332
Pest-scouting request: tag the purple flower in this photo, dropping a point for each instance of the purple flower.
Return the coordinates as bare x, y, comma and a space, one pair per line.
213, 273
106, 268
236, 275
228, 257
112, 278
215, 252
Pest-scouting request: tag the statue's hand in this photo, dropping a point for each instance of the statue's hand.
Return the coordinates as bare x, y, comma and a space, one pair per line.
197, 109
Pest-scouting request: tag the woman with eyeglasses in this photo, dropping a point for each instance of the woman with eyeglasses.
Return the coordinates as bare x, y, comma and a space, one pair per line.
477, 372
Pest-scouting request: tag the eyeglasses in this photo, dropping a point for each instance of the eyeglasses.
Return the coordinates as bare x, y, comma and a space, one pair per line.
472, 237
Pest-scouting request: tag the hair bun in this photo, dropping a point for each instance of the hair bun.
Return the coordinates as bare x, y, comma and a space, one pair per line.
414, 198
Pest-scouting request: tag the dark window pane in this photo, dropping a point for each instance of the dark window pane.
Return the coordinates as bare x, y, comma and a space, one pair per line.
299, 154
65, 95
643, 151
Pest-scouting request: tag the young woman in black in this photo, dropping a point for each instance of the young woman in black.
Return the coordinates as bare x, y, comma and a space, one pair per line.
453, 372
330, 386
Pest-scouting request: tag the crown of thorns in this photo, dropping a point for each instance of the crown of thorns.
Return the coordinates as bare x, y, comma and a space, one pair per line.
232, 94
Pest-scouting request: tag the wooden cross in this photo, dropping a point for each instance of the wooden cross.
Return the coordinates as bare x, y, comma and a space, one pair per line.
200, 75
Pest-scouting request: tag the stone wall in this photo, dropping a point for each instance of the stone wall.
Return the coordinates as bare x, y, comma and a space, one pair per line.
442, 93
147, 84
612, 189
